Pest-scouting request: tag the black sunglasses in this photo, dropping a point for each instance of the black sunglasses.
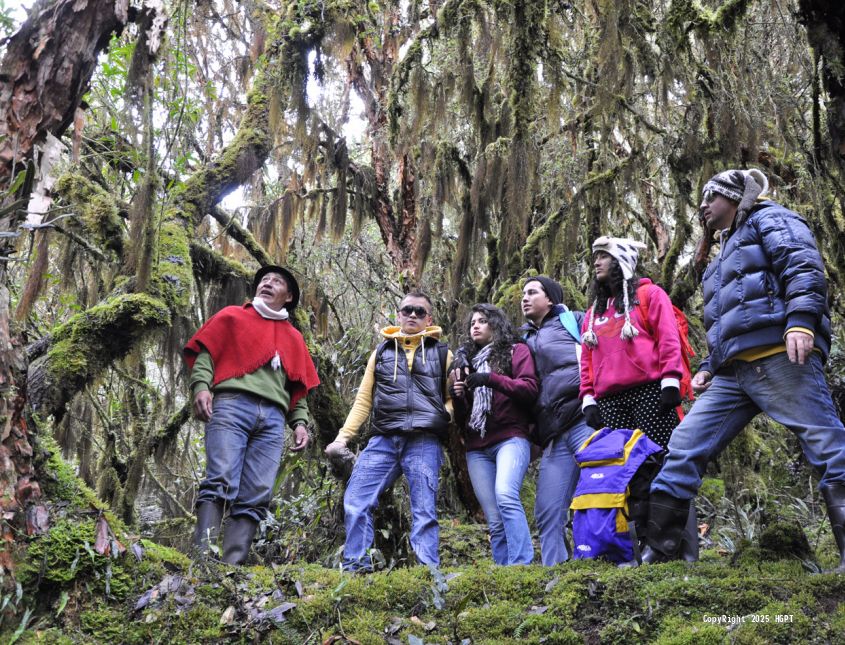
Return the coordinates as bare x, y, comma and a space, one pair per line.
419, 312
710, 196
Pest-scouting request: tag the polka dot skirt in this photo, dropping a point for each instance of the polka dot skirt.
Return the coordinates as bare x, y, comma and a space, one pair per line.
639, 407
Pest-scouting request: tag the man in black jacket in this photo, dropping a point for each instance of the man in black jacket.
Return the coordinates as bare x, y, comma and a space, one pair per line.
561, 428
768, 332
404, 387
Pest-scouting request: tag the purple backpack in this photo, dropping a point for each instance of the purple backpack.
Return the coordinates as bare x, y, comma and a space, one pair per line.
609, 461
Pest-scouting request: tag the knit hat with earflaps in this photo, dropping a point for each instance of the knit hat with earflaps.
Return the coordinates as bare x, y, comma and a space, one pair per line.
740, 186
626, 253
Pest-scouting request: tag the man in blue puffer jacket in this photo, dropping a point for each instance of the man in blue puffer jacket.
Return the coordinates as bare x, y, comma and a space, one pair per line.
768, 332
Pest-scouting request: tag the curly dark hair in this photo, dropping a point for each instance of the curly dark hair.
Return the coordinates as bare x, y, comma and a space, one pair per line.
503, 340
600, 292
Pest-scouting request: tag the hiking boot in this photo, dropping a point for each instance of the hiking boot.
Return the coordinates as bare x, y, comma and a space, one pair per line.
209, 517
237, 538
834, 497
689, 545
667, 518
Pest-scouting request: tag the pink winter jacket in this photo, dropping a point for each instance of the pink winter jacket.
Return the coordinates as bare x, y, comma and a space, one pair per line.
616, 364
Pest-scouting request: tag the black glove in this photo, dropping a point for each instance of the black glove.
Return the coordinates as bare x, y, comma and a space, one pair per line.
670, 398
459, 360
593, 417
478, 379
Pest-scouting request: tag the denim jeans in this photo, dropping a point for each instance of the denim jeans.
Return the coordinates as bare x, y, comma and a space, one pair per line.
243, 448
795, 396
497, 472
418, 457
555, 486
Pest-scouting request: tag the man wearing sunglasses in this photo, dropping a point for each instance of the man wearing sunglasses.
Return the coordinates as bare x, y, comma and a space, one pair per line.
768, 333
404, 394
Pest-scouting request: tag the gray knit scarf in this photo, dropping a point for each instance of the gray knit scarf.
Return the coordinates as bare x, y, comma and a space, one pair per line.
482, 396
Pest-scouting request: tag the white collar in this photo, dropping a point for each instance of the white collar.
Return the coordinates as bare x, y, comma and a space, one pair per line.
265, 311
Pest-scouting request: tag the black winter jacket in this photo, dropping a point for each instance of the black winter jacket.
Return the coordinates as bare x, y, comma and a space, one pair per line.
410, 402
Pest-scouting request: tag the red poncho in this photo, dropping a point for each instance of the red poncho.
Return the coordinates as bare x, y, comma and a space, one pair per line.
240, 341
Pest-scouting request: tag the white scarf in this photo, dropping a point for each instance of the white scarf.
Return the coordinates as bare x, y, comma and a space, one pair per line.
482, 396
265, 311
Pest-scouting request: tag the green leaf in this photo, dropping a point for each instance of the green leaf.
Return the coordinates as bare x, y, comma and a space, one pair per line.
62, 603
22, 627
16, 183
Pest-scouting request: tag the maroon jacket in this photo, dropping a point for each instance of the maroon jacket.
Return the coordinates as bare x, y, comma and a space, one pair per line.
513, 398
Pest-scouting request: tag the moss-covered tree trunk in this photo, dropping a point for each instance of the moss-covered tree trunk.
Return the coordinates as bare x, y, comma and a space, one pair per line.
46, 69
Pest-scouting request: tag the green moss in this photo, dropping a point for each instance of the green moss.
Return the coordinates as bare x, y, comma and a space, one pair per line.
682, 630
366, 626
491, 623
785, 540
84, 344
52, 636
108, 625
623, 629
60, 482
62, 554
99, 212
172, 272
487, 604
713, 489
462, 544
783, 622
535, 627
164, 555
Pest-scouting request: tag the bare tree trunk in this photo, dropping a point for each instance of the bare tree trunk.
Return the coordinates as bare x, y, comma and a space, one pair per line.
47, 68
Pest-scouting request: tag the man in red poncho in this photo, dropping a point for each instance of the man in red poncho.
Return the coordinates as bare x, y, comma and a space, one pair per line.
250, 372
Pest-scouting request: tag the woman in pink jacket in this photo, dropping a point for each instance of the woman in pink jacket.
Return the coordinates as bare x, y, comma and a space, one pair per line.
631, 361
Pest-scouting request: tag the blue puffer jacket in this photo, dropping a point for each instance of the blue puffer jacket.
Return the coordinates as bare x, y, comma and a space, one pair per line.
557, 358
767, 278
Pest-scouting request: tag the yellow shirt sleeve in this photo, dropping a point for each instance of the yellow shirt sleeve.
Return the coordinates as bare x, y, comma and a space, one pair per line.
362, 405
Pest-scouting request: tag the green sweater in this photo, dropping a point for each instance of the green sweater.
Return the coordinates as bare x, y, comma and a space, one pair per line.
264, 382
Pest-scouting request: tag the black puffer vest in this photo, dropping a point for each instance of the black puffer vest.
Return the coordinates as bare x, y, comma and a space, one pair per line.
412, 402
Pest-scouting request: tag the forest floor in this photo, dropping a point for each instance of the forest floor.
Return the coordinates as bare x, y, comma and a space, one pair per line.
89, 580
156, 595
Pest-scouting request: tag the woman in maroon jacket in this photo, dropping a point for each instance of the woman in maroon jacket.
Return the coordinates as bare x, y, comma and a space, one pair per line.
494, 388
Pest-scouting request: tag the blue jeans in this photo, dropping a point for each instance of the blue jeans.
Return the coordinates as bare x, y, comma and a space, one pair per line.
418, 457
555, 485
243, 448
497, 472
795, 396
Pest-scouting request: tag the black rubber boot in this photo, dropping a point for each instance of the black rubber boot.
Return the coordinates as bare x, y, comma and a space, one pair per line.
689, 545
237, 538
667, 517
209, 517
834, 497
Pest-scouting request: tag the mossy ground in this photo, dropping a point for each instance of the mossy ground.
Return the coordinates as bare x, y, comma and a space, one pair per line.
754, 601
762, 594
